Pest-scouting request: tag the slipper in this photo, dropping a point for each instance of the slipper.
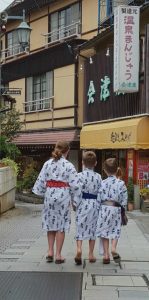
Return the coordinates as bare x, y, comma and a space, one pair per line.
92, 260
116, 257
49, 258
106, 261
78, 259
59, 261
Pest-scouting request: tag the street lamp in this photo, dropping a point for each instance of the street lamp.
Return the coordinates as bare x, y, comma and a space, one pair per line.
23, 31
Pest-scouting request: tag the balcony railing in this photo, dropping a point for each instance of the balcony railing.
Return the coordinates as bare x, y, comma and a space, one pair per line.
62, 33
13, 51
38, 105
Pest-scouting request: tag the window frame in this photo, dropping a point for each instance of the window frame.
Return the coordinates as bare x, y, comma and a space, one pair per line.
42, 85
58, 12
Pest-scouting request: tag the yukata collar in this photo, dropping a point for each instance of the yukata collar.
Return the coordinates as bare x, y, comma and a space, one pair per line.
87, 169
112, 176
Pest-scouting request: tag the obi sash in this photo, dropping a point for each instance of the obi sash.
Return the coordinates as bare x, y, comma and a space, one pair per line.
88, 196
56, 184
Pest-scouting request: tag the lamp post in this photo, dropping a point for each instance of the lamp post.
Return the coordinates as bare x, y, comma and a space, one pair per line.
23, 31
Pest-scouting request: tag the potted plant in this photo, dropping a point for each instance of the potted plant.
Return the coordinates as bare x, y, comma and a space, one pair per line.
7, 162
144, 198
144, 193
130, 190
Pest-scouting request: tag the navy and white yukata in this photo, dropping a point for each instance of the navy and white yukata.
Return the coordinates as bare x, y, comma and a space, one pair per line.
87, 209
109, 219
57, 200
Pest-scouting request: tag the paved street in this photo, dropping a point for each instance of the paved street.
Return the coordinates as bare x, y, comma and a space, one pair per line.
23, 247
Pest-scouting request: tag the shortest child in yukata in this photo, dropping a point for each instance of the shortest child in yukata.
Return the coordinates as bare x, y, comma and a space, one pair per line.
113, 196
87, 206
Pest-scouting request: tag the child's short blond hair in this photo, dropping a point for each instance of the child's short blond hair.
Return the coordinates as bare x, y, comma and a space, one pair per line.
89, 159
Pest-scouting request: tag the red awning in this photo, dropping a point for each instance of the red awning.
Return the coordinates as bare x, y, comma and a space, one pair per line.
46, 138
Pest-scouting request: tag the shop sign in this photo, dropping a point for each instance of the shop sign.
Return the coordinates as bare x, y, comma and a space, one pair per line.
120, 137
104, 90
143, 169
126, 49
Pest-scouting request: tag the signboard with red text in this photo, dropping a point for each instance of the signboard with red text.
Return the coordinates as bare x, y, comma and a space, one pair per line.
126, 49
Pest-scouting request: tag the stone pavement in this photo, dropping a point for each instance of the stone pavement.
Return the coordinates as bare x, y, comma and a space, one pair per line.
28, 247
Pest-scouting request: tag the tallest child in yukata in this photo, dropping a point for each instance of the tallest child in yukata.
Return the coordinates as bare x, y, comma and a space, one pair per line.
58, 183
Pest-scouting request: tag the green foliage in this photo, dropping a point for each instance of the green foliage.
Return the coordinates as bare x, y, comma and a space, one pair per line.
8, 149
10, 123
29, 176
144, 192
12, 164
130, 189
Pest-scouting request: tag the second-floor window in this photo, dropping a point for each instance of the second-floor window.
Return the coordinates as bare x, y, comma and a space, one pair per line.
65, 23
13, 45
39, 92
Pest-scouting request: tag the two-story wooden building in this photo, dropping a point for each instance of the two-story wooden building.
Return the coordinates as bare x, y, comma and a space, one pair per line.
46, 71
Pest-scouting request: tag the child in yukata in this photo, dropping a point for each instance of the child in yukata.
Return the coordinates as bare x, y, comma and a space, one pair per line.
113, 195
57, 183
87, 206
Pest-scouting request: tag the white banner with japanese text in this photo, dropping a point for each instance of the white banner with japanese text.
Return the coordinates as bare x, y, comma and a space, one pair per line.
126, 49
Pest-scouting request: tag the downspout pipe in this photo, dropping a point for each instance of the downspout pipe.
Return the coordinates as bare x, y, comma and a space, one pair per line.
98, 15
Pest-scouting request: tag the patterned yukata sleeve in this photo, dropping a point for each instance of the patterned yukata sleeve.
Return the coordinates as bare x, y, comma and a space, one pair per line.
123, 195
74, 183
39, 187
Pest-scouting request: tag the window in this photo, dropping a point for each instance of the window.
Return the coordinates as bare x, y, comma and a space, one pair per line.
39, 94
13, 43
65, 23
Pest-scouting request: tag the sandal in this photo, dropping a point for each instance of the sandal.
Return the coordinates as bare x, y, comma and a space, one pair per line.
106, 261
78, 259
49, 258
116, 257
59, 261
92, 260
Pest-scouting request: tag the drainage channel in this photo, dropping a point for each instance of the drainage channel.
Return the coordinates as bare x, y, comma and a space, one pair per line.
117, 280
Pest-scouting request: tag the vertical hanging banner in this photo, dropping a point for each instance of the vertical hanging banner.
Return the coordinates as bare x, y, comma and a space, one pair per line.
126, 49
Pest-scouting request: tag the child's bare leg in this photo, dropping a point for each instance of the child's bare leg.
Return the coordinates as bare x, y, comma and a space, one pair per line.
92, 258
78, 257
51, 240
79, 247
114, 245
106, 247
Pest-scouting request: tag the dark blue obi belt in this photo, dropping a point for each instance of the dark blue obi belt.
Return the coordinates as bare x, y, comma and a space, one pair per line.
88, 196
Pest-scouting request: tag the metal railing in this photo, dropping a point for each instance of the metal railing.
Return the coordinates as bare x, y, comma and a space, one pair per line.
62, 33
12, 51
38, 105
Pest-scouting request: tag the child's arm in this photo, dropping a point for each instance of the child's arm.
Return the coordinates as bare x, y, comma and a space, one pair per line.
123, 195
